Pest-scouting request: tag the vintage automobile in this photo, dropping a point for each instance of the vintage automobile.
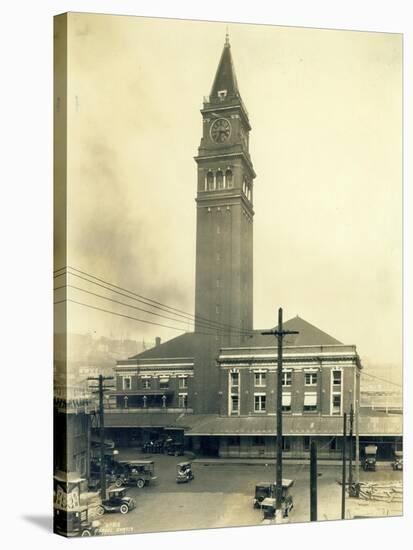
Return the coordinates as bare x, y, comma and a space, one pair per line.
75, 523
173, 448
370, 457
117, 501
268, 504
135, 472
184, 472
156, 446
263, 489
397, 463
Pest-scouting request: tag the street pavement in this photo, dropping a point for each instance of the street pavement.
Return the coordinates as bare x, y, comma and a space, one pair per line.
221, 495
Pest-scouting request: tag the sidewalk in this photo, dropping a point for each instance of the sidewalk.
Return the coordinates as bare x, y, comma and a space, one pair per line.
264, 461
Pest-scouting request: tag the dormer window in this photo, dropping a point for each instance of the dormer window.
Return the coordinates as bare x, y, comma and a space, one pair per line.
222, 94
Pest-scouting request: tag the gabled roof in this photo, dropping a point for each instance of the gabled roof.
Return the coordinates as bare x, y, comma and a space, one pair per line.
225, 78
308, 335
184, 345
181, 346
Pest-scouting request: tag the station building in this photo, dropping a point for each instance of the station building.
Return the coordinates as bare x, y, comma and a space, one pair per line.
215, 387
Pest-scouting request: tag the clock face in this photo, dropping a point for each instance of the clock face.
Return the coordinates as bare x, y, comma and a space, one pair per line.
220, 130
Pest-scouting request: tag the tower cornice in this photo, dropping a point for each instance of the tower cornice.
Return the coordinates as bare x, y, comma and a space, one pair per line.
215, 199
225, 156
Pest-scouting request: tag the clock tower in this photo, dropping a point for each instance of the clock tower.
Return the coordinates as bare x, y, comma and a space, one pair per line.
224, 248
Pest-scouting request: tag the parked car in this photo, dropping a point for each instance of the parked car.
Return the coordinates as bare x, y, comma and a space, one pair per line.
370, 457
117, 501
75, 523
263, 489
397, 463
269, 503
174, 448
135, 472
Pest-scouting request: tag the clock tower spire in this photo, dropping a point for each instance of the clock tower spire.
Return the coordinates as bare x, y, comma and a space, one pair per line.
224, 249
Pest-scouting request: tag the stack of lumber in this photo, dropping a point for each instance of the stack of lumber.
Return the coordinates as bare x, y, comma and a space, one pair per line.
391, 491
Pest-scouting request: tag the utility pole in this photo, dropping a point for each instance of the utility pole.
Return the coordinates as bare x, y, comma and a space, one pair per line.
343, 477
100, 391
357, 464
313, 481
350, 472
279, 333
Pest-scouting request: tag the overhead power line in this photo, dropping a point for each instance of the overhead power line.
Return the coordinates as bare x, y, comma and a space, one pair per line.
180, 329
207, 323
186, 321
381, 379
124, 304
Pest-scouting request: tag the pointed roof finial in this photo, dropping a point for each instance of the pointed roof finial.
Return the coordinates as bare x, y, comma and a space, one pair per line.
225, 78
227, 37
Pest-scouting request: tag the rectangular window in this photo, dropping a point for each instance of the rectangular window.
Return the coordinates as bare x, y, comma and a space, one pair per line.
260, 378
306, 443
183, 383
183, 400
234, 404
286, 378
336, 377
258, 441
310, 378
337, 403
286, 446
333, 444
286, 402
127, 383
146, 384
259, 402
164, 383
233, 441
310, 402
234, 379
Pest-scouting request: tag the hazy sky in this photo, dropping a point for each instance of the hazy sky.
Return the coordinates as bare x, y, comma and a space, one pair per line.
325, 109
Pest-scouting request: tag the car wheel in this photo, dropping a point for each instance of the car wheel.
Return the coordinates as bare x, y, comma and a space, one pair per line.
100, 510
86, 533
124, 509
118, 482
140, 483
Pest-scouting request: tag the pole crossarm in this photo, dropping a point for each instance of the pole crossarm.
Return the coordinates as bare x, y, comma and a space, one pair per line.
279, 332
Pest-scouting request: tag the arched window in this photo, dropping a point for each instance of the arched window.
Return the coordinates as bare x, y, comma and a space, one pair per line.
228, 178
220, 180
210, 181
